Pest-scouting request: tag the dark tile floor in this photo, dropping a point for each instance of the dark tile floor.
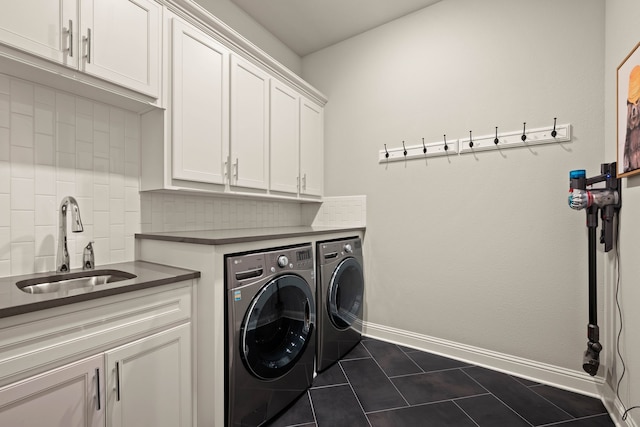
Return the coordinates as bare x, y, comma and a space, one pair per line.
379, 384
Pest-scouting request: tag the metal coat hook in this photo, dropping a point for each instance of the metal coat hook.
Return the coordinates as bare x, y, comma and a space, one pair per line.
386, 153
496, 140
524, 131
446, 147
404, 148
553, 132
424, 147
470, 140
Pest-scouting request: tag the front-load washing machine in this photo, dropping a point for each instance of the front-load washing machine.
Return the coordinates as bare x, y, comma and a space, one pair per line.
270, 338
339, 296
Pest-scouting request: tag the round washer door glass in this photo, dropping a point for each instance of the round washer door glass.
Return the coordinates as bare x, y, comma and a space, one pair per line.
277, 326
346, 293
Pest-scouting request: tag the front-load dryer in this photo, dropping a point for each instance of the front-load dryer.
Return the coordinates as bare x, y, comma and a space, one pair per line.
270, 337
339, 296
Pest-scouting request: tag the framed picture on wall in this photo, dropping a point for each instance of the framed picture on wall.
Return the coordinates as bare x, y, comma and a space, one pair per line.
628, 108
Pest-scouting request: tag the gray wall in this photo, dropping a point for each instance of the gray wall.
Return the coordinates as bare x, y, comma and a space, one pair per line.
480, 250
623, 33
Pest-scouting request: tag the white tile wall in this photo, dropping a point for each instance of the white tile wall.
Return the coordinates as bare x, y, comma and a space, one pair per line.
52, 145
177, 212
341, 211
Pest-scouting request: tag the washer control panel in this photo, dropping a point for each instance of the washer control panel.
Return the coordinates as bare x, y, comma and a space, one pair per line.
249, 267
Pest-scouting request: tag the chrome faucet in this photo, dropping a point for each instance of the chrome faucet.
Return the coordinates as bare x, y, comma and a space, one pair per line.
62, 259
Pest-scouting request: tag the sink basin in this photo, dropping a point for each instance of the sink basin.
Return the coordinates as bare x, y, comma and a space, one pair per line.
68, 281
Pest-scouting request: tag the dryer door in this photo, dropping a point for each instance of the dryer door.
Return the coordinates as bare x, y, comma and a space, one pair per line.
346, 291
277, 326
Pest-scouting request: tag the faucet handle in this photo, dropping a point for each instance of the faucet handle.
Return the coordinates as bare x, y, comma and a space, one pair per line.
88, 258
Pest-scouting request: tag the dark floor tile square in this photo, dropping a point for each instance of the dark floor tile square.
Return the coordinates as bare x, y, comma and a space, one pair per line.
358, 352
299, 412
433, 362
374, 390
333, 375
528, 404
337, 407
391, 359
575, 404
436, 386
595, 421
445, 414
487, 411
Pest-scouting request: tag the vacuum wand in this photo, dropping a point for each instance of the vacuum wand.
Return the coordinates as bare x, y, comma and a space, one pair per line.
606, 201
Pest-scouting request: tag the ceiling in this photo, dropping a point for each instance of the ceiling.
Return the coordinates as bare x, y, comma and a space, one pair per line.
306, 26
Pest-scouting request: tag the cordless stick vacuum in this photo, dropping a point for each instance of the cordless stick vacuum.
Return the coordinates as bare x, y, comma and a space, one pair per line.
606, 200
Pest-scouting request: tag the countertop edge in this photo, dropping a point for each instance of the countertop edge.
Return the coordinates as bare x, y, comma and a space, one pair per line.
175, 237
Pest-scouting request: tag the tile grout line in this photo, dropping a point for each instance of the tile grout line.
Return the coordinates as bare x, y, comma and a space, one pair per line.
497, 398
385, 374
465, 412
313, 409
354, 392
560, 423
572, 417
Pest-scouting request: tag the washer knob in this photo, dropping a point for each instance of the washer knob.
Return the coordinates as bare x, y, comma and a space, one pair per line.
347, 248
283, 261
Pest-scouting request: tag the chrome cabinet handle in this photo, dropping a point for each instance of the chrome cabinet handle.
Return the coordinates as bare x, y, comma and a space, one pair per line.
304, 181
98, 386
235, 166
118, 381
70, 31
87, 39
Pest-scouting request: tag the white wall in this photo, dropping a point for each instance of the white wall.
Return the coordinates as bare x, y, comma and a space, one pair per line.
622, 34
479, 250
244, 24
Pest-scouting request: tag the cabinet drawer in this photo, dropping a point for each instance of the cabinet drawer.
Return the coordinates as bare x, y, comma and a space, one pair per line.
38, 341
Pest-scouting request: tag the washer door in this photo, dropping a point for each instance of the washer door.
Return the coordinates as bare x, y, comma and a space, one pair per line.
277, 327
345, 294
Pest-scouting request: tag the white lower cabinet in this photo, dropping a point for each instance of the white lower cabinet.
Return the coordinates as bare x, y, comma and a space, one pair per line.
143, 383
149, 381
65, 397
139, 372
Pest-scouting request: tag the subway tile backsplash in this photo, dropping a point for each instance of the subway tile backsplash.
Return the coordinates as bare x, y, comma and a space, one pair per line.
54, 144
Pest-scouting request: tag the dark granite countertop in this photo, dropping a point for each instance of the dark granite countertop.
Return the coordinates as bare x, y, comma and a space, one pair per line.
242, 235
13, 301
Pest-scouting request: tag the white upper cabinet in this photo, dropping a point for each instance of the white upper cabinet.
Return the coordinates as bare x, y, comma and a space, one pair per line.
43, 27
311, 148
249, 147
115, 40
121, 42
199, 105
285, 138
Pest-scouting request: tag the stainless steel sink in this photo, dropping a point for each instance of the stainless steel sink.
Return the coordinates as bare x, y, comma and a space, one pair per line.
68, 281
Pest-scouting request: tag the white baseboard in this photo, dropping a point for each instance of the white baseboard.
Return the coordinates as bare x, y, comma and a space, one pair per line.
567, 379
616, 409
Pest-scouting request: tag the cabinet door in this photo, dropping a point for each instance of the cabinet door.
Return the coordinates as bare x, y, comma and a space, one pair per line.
42, 27
121, 42
149, 381
249, 148
284, 138
200, 126
311, 148
70, 396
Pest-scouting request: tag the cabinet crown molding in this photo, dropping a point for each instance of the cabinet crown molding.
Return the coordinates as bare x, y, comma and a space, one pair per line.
192, 11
